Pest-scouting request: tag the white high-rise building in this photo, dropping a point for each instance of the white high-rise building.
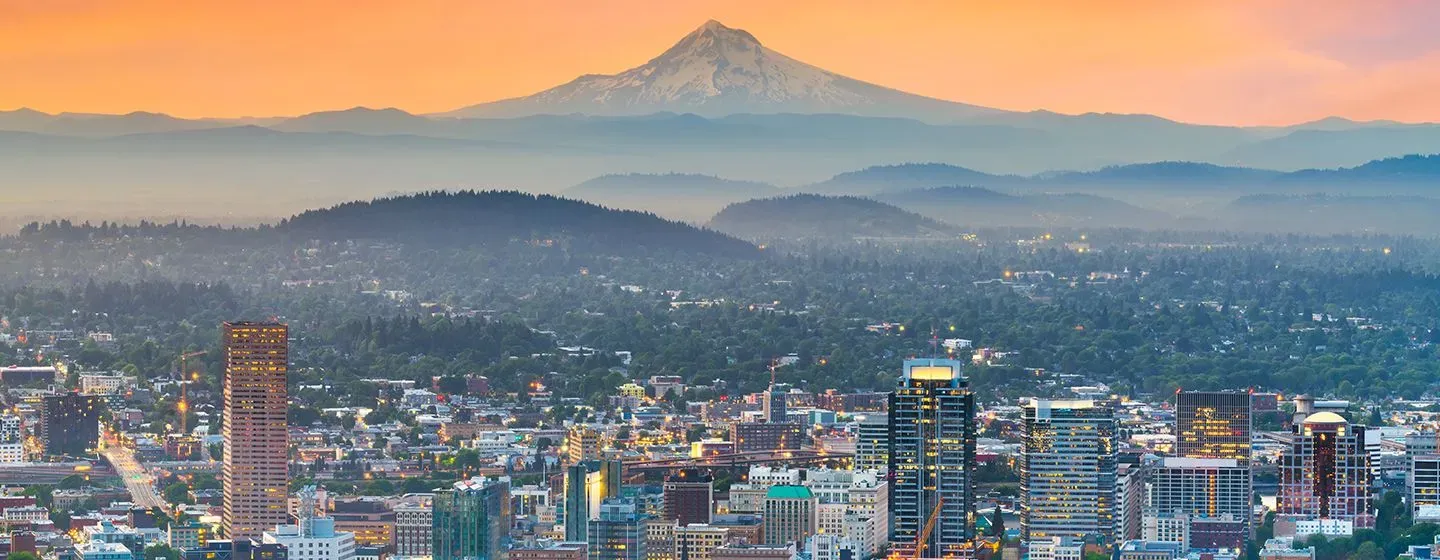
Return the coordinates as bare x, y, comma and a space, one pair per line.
872, 443
1210, 488
317, 541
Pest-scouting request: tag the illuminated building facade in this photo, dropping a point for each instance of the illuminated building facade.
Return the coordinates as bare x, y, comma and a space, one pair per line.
582, 443
255, 436
1067, 470
587, 485
751, 437
70, 424
1213, 425
618, 533
872, 444
931, 458
1326, 471
471, 521
1202, 488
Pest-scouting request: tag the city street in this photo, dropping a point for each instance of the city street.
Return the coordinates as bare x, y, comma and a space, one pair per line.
139, 482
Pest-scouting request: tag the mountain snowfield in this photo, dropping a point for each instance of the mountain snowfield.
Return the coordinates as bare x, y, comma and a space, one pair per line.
718, 70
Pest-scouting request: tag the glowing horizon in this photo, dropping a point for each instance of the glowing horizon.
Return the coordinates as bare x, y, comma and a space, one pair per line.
1271, 62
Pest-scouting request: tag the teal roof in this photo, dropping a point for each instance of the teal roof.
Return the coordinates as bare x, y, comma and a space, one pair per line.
793, 492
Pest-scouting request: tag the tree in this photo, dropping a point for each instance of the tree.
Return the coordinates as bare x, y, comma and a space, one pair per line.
71, 482
22, 555
1367, 551
42, 493
157, 550
380, 487
176, 493
997, 523
453, 385
467, 461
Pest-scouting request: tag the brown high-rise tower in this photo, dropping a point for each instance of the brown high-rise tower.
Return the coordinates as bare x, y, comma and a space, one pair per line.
255, 476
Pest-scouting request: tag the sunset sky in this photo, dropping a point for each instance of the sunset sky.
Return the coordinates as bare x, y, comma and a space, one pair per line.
1223, 62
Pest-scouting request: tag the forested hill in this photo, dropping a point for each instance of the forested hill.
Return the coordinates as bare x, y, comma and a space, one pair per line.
809, 216
489, 217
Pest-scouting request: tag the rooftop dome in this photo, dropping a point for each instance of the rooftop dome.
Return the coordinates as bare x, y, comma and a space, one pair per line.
1326, 418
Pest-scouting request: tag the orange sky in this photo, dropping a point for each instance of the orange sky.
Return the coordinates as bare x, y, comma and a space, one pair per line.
1212, 61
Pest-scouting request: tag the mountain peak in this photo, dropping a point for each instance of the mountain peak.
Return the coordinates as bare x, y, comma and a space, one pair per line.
713, 29
717, 70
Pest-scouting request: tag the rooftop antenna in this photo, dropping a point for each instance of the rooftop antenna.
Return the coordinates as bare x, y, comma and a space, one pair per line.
306, 514
934, 343
774, 364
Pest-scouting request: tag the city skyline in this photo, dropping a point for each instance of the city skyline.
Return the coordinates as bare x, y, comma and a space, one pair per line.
1270, 63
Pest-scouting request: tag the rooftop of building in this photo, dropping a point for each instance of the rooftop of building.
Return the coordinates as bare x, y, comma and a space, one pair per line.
1326, 417
789, 492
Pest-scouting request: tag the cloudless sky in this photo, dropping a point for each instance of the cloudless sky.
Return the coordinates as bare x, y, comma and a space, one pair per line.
1208, 61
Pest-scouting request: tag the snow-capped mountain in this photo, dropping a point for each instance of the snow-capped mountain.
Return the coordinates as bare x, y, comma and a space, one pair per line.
715, 71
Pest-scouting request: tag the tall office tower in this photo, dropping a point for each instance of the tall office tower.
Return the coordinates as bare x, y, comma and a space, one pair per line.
413, 528
587, 485
689, 497
1201, 488
932, 456
1130, 499
255, 435
791, 515
1213, 425
774, 405
1424, 483
70, 423
618, 533
471, 521
582, 443
1326, 471
872, 444
1067, 470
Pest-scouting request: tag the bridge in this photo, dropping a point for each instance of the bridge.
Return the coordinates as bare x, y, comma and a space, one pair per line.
23, 474
731, 460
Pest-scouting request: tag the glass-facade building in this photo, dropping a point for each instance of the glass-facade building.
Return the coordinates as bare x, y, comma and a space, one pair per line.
1067, 470
932, 458
618, 533
471, 521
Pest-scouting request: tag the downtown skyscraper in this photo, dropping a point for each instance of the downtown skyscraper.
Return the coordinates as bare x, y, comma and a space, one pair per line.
1067, 470
1326, 471
1210, 482
471, 520
255, 412
932, 458
1213, 425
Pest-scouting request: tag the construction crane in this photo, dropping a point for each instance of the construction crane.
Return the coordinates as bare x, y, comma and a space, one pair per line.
185, 376
924, 535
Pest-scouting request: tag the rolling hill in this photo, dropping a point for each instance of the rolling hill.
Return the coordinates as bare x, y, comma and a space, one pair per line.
979, 207
689, 197
504, 217
803, 216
